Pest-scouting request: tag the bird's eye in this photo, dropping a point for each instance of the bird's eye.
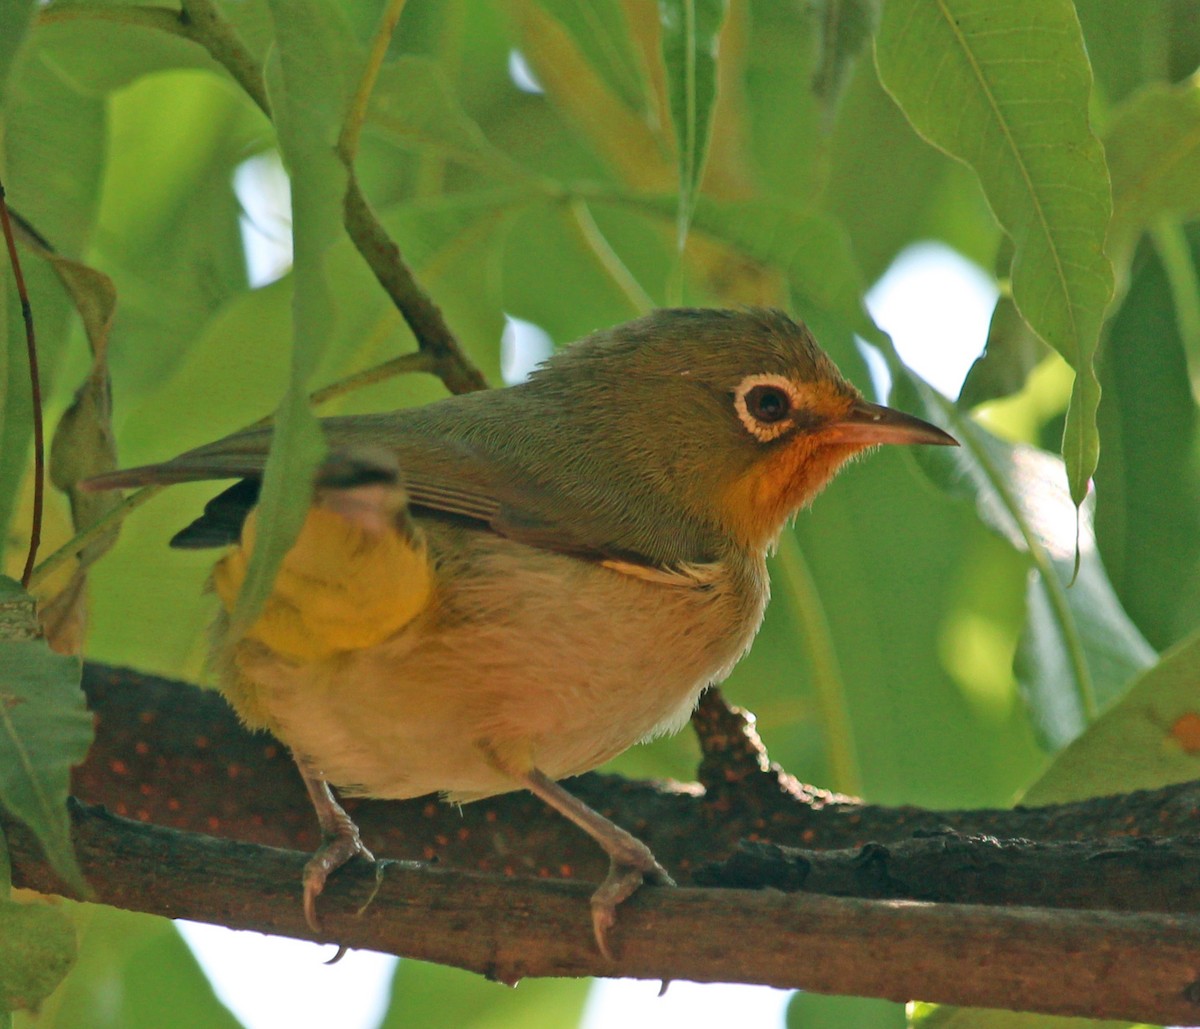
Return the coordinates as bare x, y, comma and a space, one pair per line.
768, 404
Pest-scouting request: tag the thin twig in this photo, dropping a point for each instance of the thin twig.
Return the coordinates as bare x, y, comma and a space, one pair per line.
205, 25
610, 261
357, 112
405, 364
423, 316
98, 528
35, 392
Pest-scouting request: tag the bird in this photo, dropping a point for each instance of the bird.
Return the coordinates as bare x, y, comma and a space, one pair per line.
504, 589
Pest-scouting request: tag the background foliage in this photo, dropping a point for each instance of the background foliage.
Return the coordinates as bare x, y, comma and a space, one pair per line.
924, 645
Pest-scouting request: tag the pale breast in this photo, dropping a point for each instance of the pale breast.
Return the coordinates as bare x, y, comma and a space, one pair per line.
522, 646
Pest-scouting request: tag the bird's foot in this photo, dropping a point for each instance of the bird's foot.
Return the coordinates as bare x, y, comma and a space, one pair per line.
631, 864
342, 845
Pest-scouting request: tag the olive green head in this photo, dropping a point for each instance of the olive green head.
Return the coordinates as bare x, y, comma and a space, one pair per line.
695, 424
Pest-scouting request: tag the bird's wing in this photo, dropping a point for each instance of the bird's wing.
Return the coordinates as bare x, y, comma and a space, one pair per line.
441, 476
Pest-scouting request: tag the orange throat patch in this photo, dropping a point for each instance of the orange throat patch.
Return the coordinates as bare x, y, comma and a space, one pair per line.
761, 500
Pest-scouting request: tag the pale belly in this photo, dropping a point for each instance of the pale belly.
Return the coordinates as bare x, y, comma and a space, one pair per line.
528, 651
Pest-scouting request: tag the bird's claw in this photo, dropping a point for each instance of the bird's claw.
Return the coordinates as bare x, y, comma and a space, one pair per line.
329, 857
626, 873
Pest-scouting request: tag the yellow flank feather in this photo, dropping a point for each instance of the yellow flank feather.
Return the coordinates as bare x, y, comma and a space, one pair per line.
342, 587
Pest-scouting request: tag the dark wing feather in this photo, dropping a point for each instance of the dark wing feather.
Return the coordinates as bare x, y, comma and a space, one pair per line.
441, 476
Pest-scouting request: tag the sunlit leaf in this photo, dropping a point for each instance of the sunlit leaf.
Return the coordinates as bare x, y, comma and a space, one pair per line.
1149, 739
171, 241
603, 124
1005, 88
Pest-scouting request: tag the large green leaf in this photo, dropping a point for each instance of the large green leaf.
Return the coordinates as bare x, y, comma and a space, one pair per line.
133, 972
45, 728
61, 135
691, 30
1005, 87
1079, 648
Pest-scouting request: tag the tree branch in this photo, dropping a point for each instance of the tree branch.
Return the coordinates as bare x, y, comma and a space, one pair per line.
502, 885
1034, 959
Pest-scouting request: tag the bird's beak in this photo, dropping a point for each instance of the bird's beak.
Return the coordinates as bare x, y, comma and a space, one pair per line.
871, 424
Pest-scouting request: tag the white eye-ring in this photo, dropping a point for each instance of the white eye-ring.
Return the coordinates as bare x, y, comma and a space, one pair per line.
765, 404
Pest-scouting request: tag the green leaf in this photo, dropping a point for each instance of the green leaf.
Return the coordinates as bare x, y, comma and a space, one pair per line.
815, 1011
1005, 88
691, 30
892, 560
810, 249
1150, 739
600, 30
37, 950
45, 728
307, 102
425, 995
413, 105
942, 1016
1079, 649
1153, 148
83, 443
1148, 482
15, 18
133, 972
1127, 44
846, 29
1011, 353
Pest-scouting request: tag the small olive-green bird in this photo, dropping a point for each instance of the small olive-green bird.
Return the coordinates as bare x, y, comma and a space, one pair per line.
504, 589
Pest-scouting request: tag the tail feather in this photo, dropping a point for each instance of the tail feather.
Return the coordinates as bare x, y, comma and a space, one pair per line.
241, 456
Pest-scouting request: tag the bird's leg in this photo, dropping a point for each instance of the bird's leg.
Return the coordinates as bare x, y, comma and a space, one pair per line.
630, 860
340, 843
